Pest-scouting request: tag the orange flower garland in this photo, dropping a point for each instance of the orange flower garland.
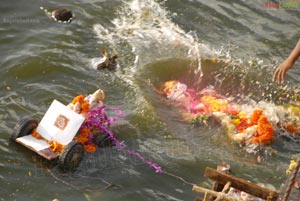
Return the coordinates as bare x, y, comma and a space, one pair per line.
83, 138
90, 148
55, 146
84, 105
79, 99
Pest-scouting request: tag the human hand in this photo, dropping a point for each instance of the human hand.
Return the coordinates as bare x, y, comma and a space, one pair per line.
280, 72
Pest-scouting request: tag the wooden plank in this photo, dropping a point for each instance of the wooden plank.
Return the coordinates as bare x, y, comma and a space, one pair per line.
241, 184
46, 153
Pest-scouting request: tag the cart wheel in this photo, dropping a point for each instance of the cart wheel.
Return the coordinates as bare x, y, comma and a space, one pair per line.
103, 140
71, 156
24, 127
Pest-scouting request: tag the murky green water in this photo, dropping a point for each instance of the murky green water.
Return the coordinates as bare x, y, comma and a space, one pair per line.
42, 60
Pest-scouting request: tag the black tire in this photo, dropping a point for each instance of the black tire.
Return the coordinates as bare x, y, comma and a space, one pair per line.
24, 127
71, 156
103, 140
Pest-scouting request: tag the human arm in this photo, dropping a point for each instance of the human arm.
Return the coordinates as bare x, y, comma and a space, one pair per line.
280, 72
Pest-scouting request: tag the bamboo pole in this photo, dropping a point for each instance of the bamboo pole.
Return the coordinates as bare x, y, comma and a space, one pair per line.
219, 195
226, 187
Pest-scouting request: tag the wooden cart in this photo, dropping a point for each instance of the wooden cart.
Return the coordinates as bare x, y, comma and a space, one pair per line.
59, 124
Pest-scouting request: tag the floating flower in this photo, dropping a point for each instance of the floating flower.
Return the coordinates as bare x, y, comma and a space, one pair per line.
230, 110
255, 116
236, 121
170, 86
265, 131
240, 121
214, 104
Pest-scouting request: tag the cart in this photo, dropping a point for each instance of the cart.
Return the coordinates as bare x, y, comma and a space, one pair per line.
60, 125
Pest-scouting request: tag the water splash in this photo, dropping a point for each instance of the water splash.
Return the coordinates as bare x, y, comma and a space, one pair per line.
147, 28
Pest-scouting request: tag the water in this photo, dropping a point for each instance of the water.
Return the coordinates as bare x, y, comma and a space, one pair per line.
42, 60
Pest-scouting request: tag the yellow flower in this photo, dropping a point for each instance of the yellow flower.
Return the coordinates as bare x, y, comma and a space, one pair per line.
236, 121
242, 115
292, 166
55, 146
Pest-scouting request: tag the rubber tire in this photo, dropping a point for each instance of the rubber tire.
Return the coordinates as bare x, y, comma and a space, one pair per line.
103, 140
71, 156
24, 127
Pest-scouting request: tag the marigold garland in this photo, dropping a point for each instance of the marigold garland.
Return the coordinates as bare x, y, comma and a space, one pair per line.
90, 147
84, 105
79, 98
85, 137
55, 146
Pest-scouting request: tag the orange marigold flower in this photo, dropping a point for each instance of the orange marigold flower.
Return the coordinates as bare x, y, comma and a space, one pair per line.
36, 134
90, 148
55, 146
79, 99
265, 131
81, 139
83, 136
85, 132
255, 116
85, 107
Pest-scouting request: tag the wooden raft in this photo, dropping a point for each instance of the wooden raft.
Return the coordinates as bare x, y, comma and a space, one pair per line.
231, 181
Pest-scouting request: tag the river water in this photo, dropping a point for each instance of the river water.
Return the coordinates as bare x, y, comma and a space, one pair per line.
156, 41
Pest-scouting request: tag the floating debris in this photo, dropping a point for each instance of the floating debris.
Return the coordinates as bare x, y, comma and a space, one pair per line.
60, 15
106, 62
